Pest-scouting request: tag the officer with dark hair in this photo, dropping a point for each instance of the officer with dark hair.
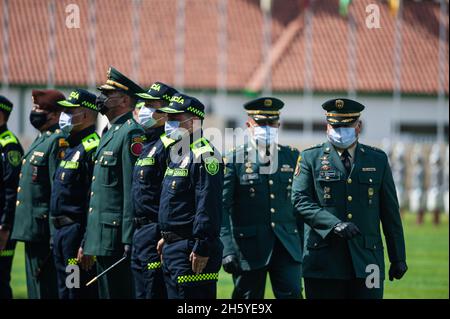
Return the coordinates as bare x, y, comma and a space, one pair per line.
148, 174
190, 209
31, 223
10, 162
70, 192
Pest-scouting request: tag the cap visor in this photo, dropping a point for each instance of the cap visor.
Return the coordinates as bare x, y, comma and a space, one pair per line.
147, 96
169, 110
68, 104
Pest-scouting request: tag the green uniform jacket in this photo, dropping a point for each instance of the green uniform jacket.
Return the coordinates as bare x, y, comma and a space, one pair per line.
257, 209
110, 217
39, 164
324, 196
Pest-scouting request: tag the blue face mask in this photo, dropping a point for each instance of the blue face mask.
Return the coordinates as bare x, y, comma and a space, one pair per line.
65, 122
172, 129
145, 116
265, 135
342, 137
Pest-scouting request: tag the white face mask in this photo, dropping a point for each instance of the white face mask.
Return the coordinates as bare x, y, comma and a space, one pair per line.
173, 130
145, 117
265, 135
65, 122
342, 137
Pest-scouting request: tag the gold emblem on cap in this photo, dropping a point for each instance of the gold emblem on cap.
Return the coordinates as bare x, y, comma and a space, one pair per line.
339, 104
267, 102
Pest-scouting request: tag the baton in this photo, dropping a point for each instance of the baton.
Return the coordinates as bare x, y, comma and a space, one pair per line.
105, 271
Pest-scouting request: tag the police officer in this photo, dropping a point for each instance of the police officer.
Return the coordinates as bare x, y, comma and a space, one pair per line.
146, 191
190, 209
110, 217
435, 200
10, 162
344, 190
259, 230
70, 191
31, 224
417, 198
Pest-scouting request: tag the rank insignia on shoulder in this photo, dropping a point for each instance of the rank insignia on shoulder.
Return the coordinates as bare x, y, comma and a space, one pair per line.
212, 165
63, 143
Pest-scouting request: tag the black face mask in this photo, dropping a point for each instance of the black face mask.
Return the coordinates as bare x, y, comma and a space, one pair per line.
38, 119
101, 104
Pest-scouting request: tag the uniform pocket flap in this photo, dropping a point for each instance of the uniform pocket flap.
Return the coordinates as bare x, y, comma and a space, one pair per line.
244, 232
108, 160
111, 219
368, 178
291, 229
373, 242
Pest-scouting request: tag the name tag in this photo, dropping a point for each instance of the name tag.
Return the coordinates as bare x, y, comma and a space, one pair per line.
108, 153
39, 154
369, 169
247, 177
287, 168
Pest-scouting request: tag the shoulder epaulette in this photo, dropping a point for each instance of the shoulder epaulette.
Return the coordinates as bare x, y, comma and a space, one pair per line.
201, 146
373, 148
7, 137
167, 141
90, 142
313, 147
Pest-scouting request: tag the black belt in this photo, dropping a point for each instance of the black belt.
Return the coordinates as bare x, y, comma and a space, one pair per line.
60, 221
142, 221
171, 237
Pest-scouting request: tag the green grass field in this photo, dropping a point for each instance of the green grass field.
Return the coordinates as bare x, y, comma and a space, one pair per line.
427, 257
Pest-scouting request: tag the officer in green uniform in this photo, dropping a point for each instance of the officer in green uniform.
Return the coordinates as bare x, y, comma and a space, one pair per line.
31, 224
259, 230
344, 190
10, 161
110, 217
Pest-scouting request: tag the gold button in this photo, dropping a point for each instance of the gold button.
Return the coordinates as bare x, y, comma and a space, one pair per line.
328, 177
20, 175
349, 216
315, 244
350, 198
270, 182
93, 178
18, 189
272, 210
370, 180
18, 203
90, 209
241, 235
44, 216
251, 182
349, 181
273, 225
290, 180
106, 162
96, 161
272, 196
92, 194
24, 161
114, 223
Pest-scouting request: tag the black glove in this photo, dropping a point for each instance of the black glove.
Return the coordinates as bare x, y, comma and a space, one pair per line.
126, 251
230, 264
346, 230
397, 270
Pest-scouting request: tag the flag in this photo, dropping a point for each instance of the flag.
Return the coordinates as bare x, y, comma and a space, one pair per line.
343, 7
394, 6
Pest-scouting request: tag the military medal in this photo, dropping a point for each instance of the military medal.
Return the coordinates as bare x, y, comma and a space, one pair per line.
249, 170
370, 192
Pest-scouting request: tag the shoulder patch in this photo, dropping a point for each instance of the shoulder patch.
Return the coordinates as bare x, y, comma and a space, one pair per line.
90, 142
212, 165
136, 148
14, 158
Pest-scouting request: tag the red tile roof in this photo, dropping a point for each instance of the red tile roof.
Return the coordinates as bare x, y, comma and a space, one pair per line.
374, 65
